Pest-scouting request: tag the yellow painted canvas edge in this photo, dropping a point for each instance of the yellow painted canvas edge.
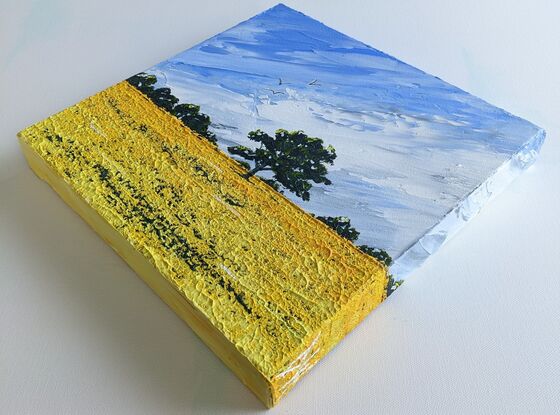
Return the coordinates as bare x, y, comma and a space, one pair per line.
270, 391
213, 338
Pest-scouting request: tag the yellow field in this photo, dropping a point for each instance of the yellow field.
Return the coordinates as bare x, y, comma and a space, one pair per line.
281, 286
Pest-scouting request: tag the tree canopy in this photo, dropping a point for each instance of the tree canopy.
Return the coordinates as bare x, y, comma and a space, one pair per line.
377, 253
189, 114
194, 119
294, 158
342, 226
143, 82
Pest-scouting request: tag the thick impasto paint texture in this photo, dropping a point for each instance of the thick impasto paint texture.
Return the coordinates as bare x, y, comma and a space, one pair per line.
410, 147
275, 281
274, 183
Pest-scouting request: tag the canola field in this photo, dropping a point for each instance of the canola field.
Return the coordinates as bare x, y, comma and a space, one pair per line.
274, 280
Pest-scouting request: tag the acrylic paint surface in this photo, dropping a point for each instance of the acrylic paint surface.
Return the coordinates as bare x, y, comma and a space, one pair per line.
267, 176
281, 286
410, 147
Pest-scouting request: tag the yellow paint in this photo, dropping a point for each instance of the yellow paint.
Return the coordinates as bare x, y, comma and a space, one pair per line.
278, 285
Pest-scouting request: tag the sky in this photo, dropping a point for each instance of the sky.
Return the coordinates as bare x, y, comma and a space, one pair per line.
410, 147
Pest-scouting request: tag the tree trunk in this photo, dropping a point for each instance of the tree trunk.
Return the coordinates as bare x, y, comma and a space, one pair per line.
252, 172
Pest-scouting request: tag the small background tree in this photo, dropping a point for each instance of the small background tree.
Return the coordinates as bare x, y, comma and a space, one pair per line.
377, 253
342, 226
294, 158
194, 119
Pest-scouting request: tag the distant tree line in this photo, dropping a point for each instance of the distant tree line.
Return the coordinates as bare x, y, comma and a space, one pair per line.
189, 114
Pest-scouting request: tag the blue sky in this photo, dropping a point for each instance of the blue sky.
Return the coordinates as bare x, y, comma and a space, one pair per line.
410, 146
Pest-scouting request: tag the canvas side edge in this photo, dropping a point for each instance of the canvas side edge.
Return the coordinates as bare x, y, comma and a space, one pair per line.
469, 207
214, 339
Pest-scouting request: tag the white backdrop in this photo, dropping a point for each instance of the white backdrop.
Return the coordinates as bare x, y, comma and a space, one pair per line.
475, 330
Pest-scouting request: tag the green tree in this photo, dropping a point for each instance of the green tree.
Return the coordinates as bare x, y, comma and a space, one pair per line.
143, 82
377, 253
189, 114
342, 226
293, 157
163, 98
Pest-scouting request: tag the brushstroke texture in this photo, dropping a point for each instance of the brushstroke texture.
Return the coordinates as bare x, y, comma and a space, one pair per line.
410, 146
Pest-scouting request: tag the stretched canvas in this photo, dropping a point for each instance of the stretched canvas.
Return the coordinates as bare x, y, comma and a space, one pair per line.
278, 181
